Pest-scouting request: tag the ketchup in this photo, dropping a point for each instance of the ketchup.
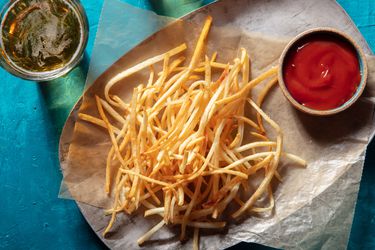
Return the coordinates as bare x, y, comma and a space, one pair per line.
322, 72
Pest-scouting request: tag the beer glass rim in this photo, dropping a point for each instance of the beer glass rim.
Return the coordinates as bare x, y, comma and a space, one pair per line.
7, 63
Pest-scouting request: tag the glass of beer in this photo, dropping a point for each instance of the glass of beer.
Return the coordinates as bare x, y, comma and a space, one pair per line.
41, 40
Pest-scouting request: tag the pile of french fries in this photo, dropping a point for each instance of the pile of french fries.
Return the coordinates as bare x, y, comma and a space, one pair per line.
177, 146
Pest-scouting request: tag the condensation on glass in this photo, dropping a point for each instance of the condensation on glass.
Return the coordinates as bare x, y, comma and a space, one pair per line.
42, 39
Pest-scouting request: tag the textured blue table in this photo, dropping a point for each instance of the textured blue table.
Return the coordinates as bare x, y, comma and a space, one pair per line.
31, 118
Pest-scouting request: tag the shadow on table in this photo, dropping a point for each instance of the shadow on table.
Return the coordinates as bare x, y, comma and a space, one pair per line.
363, 230
60, 95
174, 8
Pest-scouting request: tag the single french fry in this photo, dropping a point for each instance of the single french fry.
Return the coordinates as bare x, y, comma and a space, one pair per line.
96, 121
196, 239
148, 235
260, 100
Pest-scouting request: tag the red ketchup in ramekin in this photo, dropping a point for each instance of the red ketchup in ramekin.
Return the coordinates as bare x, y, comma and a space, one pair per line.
322, 72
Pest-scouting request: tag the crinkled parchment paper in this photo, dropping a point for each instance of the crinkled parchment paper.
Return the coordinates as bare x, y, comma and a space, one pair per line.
314, 206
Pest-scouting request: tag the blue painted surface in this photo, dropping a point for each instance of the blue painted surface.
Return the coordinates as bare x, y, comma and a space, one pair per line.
31, 117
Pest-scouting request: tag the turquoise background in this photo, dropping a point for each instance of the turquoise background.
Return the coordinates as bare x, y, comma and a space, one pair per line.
31, 118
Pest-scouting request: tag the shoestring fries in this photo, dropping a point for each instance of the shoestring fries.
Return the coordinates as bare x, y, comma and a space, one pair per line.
177, 146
